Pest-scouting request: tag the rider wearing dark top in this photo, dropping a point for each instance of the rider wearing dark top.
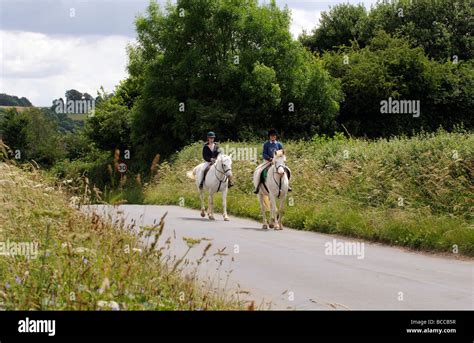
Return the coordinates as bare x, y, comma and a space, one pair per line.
209, 155
210, 151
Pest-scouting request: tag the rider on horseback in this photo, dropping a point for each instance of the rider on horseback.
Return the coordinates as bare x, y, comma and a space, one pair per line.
210, 151
269, 147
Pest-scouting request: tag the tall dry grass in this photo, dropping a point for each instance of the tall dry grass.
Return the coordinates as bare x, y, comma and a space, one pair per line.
86, 263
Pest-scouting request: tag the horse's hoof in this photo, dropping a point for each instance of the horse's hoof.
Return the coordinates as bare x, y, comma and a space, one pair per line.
271, 226
226, 219
264, 226
211, 218
203, 214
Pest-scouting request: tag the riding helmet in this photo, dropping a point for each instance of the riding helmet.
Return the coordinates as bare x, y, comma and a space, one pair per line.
272, 132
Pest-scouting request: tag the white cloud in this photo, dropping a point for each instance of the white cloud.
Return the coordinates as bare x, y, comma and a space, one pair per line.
42, 67
303, 20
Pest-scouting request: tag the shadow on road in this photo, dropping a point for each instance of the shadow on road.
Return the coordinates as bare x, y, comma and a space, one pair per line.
254, 228
197, 219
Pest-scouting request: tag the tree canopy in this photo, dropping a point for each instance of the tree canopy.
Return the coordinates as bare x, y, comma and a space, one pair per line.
442, 28
230, 66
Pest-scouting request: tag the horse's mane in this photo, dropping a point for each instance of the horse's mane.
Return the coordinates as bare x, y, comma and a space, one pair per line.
222, 156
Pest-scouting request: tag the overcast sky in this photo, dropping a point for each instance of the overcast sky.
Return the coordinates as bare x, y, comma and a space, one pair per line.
49, 46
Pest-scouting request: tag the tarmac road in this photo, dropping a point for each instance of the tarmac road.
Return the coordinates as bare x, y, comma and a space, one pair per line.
292, 269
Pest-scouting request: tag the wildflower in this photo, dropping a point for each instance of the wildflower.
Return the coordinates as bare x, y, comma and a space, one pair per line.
105, 285
108, 304
74, 201
66, 244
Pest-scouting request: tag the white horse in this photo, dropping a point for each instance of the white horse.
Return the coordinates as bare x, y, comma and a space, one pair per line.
216, 181
274, 187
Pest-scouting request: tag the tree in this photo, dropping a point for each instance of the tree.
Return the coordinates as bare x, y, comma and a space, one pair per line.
73, 94
11, 100
230, 66
33, 134
13, 129
341, 25
442, 28
109, 126
389, 68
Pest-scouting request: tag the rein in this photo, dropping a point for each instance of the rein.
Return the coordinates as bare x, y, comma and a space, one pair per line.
222, 172
279, 183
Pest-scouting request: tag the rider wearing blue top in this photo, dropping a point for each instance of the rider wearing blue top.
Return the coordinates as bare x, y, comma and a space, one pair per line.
269, 147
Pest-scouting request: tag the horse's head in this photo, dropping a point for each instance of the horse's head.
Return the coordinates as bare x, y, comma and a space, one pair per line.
278, 161
224, 162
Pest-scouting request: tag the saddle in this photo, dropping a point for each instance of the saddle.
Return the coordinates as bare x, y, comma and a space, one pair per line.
204, 174
264, 173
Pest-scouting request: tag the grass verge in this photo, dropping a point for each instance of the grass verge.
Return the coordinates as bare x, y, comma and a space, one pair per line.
83, 263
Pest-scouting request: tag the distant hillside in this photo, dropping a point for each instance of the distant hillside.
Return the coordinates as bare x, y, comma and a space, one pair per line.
64, 121
12, 100
18, 108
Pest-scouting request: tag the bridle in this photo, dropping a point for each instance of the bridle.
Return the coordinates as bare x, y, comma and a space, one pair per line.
223, 171
281, 176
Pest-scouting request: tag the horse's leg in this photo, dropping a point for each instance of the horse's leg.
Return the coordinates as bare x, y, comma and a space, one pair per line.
261, 198
224, 204
203, 208
210, 209
201, 195
281, 208
272, 211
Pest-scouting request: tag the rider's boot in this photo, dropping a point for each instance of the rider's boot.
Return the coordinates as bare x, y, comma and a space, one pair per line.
256, 189
289, 187
260, 177
201, 184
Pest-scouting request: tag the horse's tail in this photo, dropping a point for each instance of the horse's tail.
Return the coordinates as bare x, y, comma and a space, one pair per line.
192, 174
266, 202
